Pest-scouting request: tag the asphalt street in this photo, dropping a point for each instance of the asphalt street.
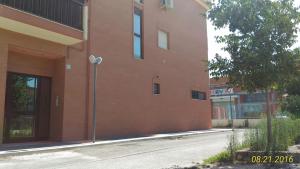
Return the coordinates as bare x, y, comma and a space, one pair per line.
151, 154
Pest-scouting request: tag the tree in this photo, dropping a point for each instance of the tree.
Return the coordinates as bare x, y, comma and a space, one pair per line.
291, 103
262, 33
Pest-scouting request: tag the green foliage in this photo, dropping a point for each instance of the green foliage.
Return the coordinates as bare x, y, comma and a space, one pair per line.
281, 136
257, 138
291, 104
228, 155
292, 88
222, 157
261, 35
286, 132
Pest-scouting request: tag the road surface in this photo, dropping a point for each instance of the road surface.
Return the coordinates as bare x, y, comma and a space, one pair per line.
150, 154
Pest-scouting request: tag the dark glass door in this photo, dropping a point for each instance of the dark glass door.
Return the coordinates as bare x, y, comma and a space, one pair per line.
27, 108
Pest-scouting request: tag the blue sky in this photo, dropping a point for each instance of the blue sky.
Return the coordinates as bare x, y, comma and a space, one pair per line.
214, 47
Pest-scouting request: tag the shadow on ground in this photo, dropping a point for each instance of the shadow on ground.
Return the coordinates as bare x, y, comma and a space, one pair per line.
252, 166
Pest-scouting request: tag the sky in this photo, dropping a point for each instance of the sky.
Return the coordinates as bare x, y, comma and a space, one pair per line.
214, 47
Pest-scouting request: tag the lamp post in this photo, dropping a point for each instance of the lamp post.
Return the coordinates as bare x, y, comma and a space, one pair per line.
95, 61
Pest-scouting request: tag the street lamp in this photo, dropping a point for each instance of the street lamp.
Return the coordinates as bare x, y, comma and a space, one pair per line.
95, 61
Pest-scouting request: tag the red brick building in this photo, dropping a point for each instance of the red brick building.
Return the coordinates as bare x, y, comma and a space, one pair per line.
152, 78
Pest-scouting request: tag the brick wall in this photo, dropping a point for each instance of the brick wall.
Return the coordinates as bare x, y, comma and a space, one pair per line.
3, 68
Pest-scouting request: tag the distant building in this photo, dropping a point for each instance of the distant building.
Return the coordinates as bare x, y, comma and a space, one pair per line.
242, 104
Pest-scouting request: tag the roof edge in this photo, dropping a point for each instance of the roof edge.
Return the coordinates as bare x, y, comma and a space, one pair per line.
203, 4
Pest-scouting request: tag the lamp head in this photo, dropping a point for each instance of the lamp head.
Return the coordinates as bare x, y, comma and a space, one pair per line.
95, 60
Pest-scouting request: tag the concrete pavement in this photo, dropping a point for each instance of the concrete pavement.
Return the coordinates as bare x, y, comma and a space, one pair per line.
42, 147
148, 154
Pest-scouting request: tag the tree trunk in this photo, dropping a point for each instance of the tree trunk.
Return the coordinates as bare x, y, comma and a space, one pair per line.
269, 121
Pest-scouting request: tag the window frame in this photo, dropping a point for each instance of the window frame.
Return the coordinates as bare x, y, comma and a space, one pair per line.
199, 93
156, 89
168, 39
138, 10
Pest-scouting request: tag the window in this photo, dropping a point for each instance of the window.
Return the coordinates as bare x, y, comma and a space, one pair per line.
139, 1
198, 95
156, 88
137, 39
163, 40
167, 4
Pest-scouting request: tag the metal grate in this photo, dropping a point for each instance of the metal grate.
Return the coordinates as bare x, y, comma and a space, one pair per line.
67, 12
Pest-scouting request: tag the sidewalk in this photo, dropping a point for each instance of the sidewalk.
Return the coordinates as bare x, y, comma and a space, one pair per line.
42, 147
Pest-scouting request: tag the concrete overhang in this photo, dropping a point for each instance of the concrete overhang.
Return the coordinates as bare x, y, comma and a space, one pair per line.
38, 27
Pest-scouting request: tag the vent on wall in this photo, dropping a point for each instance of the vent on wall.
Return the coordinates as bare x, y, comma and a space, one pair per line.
167, 4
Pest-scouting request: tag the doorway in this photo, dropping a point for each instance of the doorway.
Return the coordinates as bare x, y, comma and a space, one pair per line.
27, 108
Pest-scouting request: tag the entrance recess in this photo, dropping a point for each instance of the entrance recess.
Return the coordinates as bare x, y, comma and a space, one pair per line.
27, 108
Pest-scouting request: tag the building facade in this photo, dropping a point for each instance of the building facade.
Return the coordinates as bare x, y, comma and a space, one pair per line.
152, 79
233, 103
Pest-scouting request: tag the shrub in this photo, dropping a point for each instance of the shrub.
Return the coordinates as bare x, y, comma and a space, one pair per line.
228, 155
285, 132
257, 138
282, 137
222, 157
294, 130
292, 104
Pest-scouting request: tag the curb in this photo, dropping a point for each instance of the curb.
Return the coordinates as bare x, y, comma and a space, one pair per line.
29, 151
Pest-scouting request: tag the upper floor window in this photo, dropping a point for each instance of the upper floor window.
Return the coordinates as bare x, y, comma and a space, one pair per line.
167, 4
138, 37
197, 95
163, 39
156, 88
